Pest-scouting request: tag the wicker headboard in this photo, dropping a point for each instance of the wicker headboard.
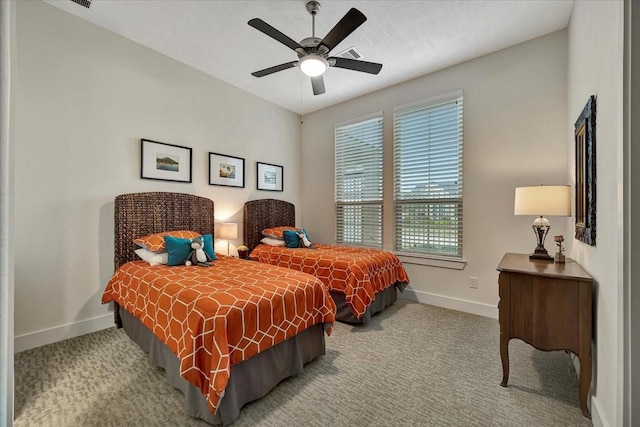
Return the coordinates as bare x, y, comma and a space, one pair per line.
140, 214
264, 213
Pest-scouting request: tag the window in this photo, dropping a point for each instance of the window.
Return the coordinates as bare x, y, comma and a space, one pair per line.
428, 177
358, 182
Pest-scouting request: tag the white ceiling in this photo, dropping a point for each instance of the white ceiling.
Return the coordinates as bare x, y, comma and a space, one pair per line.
410, 38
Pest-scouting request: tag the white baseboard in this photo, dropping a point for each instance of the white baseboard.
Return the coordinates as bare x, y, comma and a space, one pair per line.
472, 307
71, 330
60, 333
596, 418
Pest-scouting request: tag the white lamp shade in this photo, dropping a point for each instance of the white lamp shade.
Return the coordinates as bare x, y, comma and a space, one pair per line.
541, 200
228, 231
313, 65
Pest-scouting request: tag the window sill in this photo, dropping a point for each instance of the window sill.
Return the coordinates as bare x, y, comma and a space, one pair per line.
431, 261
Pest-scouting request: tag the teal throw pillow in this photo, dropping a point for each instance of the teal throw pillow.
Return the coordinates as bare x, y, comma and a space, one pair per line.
291, 239
208, 246
178, 250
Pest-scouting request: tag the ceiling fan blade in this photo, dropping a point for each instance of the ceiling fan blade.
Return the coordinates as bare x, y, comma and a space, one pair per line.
274, 69
260, 25
352, 64
317, 83
349, 22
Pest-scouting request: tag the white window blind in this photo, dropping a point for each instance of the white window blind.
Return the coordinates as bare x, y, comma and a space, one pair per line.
428, 177
358, 182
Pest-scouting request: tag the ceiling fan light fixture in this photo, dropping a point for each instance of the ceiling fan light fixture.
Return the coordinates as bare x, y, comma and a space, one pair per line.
313, 65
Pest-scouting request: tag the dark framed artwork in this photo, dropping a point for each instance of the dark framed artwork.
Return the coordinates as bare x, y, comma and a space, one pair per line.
165, 162
226, 170
269, 177
585, 139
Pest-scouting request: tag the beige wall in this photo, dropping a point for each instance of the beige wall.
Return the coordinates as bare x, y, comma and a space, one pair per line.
515, 133
595, 67
85, 97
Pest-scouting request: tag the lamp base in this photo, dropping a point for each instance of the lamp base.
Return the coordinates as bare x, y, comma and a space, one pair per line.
541, 254
540, 229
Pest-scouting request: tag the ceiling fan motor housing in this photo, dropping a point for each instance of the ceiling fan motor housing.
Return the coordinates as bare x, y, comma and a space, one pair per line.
310, 45
310, 42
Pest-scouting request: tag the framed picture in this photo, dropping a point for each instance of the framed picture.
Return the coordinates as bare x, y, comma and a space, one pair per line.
269, 177
166, 162
225, 170
585, 137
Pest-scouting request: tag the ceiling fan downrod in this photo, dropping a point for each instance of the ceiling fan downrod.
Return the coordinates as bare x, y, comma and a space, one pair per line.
313, 7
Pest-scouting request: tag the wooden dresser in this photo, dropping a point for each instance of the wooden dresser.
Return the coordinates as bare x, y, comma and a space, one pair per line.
549, 306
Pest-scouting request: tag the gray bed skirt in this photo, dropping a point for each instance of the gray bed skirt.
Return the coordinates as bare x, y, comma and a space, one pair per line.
382, 301
249, 380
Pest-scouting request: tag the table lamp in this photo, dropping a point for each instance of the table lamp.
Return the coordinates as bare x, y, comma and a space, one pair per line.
541, 200
228, 231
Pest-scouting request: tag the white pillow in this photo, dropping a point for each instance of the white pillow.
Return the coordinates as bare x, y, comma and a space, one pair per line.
272, 242
151, 257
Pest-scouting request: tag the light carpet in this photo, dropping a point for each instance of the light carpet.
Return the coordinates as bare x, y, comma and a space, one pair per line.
413, 365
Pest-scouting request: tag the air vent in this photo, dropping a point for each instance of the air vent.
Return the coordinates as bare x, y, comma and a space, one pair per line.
351, 53
84, 3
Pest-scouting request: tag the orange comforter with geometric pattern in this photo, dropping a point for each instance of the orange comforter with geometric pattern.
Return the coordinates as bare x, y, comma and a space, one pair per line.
213, 317
358, 273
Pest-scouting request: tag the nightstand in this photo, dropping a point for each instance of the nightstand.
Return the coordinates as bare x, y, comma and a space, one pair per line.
549, 306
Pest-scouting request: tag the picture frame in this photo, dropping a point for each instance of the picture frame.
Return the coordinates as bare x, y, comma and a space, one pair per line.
165, 162
226, 171
585, 173
269, 177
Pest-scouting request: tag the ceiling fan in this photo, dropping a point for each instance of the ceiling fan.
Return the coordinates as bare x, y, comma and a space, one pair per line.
313, 53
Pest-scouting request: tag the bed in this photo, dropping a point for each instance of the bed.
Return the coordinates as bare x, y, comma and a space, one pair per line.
225, 334
361, 281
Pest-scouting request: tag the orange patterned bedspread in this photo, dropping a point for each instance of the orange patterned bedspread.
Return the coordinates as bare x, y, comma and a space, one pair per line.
358, 273
213, 317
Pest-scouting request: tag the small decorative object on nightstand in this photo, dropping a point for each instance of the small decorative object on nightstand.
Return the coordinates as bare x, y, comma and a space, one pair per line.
243, 252
560, 254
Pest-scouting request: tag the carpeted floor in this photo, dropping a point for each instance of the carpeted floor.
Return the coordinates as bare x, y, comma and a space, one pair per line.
413, 365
